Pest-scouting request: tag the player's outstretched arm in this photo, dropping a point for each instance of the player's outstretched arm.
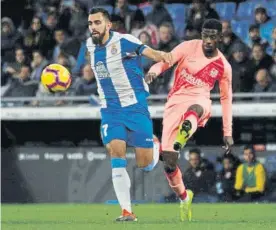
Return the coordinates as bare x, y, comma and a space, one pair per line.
158, 56
179, 52
225, 86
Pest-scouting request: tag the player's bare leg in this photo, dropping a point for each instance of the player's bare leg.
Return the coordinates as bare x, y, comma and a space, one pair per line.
120, 178
188, 126
174, 177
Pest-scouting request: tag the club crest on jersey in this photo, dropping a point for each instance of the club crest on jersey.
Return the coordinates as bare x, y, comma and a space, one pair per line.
114, 50
214, 73
101, 70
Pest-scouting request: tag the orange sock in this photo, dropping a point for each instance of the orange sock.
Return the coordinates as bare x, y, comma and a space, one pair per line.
176, 183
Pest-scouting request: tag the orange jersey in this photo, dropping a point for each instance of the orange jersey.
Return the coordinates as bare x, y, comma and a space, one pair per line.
195, 75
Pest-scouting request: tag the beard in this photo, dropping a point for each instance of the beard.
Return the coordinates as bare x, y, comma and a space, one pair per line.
98, 39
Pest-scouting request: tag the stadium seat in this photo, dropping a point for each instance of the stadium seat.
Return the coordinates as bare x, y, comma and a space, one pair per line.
108, 8
146, 9
246, 10
241, 28
226, 10
177, 12
271, 8
267, 29
132, 7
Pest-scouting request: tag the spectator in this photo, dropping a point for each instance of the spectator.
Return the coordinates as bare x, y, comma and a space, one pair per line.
15, 67
242, 72
264, 82
78, 20
250, 177
61, 39
167, 37
37, 37
200, 176
139, 25
255, 37
122, 9
64, 45
146, 62
39, 62
92, 3
226, 179
259, 58
229, 39
159, 13
64, 60
191, 33
51, 22
42, 93
261, 16
118, 24
22, 85
10, 38
87, 84
200, 11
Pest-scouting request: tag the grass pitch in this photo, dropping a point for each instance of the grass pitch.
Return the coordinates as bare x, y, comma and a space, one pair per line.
152, 217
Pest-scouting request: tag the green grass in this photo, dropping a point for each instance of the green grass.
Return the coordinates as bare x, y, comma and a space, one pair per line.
152, 217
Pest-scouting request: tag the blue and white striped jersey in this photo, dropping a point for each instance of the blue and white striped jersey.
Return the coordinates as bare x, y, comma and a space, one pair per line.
118, 70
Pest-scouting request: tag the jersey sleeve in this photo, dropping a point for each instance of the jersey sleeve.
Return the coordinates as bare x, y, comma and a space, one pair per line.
225, 85
239, 178
134, 44
179, 52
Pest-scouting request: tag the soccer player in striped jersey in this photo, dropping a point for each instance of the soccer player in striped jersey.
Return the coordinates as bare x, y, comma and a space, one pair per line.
115, 61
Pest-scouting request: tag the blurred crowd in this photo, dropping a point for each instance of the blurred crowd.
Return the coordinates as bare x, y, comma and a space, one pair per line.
40, 32
229, 178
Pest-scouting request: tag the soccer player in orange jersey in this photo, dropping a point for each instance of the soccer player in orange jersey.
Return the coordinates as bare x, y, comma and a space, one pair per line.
199, 65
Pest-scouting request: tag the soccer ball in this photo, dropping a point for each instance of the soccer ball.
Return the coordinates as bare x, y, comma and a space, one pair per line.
56, 78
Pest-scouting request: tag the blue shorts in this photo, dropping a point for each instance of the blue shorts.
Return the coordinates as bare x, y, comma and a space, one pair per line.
134, 127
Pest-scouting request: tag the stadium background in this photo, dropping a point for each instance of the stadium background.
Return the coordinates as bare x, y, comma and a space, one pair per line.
51, 147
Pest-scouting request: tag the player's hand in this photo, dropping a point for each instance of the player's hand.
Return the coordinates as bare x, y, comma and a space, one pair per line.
228, 141
167, 57
150, 77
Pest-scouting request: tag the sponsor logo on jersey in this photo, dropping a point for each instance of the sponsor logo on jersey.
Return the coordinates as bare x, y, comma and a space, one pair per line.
191, 79
101, 70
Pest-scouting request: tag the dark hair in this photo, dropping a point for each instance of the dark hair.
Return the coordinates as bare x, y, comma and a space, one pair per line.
25, 65
257, 44
167, 24
212, 24
116, 18
250, 147
260, 9
59, 28
52, 14
138, 16
38, 51
195, 150
19, 48
254, 27
96, 10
